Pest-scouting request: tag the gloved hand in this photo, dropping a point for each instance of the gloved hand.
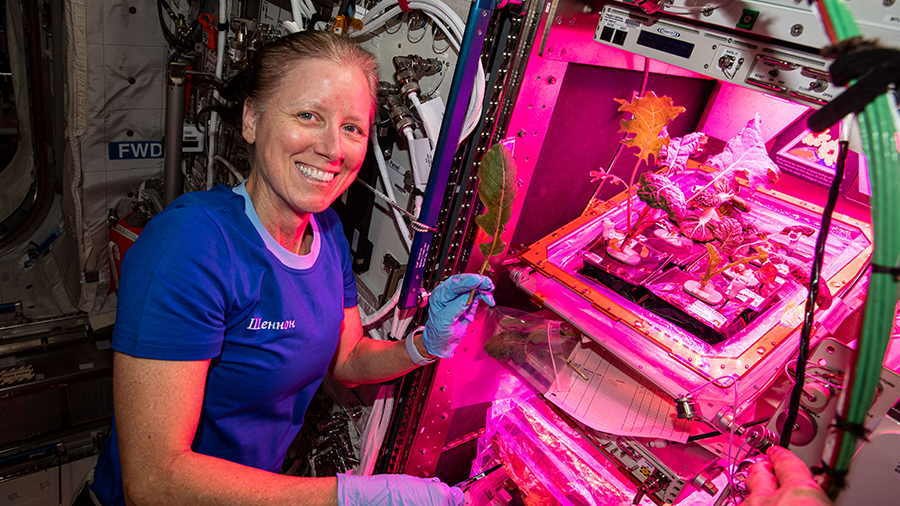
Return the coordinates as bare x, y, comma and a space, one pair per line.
448, 314
395, 490
783, 480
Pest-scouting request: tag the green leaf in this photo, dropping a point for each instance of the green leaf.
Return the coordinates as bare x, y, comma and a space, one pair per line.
497, 190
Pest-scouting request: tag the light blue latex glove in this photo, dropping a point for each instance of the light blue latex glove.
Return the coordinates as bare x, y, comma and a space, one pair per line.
448, 314
396, 490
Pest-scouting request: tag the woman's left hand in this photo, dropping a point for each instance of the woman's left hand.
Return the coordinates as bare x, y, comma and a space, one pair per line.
449, 312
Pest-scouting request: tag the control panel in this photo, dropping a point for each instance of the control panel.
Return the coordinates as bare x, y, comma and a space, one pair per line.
788, 73
663, 471
825, 372
788, 20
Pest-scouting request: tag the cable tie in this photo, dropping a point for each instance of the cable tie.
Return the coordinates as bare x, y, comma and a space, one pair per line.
857, 430
873, 67
404, 5
883, 269
838, 477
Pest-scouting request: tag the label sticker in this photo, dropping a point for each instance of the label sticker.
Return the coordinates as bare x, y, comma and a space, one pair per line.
135, 150
707, 313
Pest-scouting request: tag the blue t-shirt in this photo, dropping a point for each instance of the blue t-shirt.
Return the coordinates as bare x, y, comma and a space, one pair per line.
205, 280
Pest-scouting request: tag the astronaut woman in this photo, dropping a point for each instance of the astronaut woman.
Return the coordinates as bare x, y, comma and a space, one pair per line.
235, 302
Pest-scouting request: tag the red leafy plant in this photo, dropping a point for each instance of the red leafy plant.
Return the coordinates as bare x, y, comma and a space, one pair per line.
646, 131
712, 214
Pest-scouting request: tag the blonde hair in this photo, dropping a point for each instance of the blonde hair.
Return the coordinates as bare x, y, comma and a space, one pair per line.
269, 62
265, 72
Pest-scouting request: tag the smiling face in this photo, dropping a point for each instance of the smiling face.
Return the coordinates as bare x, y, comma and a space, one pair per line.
310, 139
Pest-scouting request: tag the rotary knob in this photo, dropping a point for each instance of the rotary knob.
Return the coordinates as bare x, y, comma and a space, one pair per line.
805, 428
816, 396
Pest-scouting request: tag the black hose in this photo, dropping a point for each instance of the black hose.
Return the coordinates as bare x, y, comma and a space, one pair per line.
803, 353
170, 37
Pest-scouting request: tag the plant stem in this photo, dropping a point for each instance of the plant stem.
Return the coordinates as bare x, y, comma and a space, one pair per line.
630, 190
705, 279
487, 260
638, 228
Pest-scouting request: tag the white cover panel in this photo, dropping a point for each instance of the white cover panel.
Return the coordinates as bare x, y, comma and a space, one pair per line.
107, 46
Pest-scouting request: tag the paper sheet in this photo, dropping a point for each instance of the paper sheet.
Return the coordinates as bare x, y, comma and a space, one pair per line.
615, 399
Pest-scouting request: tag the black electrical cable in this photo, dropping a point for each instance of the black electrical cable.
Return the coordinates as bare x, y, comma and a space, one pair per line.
179, 43
170, 37
707, 435
196, 22
803, 352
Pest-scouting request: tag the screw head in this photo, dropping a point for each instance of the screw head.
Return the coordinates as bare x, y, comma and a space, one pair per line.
796, 30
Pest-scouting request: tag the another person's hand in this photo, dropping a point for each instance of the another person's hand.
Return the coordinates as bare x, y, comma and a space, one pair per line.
783, 480
396, 490
449, 314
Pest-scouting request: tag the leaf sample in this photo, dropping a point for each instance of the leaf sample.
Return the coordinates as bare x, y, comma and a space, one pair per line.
699, 226
746, 154
651, 115
675, 154
714, 266
659, 192
645, 131
497, 190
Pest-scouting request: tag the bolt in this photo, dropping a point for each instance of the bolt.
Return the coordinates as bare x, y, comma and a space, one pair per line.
796, 30
551, 80
558, 20
522, 133
887, 3
563, 52
708, 11
572, 23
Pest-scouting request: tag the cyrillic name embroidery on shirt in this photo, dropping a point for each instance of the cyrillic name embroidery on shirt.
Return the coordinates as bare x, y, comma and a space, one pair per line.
260, 324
